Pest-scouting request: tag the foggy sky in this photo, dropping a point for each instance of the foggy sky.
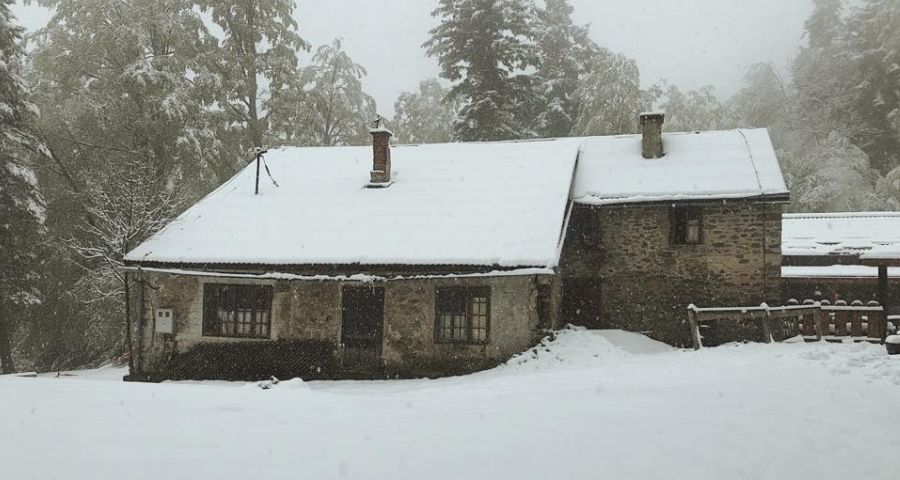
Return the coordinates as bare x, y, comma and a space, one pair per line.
690, 43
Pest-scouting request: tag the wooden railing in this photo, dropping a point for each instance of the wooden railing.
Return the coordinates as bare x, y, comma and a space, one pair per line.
814, 321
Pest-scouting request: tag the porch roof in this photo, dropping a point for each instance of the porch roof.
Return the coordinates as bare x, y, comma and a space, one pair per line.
840, 234
884, 255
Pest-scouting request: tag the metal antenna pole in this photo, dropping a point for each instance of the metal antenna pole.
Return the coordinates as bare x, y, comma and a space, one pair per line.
258, 156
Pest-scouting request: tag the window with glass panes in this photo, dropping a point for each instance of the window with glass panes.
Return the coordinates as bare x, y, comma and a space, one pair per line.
463, 314
239, 311
687, 226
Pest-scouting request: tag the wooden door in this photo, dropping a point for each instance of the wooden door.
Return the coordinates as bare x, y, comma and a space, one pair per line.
362, 320
583, 302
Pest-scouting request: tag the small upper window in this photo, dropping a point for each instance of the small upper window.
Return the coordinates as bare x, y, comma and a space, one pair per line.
687, 226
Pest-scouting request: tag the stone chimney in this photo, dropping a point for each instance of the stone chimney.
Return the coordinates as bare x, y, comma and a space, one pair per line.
651, 128
381, 155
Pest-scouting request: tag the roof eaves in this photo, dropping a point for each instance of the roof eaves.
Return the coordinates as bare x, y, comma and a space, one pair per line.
683, 199
831, 215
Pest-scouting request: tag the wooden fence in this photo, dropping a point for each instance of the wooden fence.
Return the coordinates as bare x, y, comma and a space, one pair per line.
814, 321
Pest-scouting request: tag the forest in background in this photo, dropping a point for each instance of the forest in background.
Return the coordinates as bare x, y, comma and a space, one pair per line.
119, 114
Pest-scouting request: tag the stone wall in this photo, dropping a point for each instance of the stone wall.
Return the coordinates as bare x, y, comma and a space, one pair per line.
647, 282
312, 311
410, 326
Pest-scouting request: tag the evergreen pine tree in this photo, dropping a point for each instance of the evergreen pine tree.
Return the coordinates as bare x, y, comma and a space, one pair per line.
566, 55
485, 47
820, 73
21, 206
875, 84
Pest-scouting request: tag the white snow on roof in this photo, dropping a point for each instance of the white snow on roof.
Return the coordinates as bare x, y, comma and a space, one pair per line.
480, 204
730, 164
855, 233
454, 204
884, 252
835, 271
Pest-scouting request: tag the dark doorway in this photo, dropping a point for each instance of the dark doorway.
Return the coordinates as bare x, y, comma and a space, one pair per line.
583, 302
362, 319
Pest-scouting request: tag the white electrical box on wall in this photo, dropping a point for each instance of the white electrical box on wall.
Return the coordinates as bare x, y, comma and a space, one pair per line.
165, 321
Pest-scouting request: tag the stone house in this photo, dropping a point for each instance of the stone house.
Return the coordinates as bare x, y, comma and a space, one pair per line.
441, 259
823, 256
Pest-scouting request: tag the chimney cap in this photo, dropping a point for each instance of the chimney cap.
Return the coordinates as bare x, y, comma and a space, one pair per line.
652, 116
381, 130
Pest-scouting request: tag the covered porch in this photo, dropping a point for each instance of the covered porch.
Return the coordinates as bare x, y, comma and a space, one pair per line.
885, 257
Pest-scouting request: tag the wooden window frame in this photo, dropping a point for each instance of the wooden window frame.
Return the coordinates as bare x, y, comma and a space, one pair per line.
680, 219
468, 295
249, 308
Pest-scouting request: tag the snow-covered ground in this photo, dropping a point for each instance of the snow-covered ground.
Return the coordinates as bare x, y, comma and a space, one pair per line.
588, 405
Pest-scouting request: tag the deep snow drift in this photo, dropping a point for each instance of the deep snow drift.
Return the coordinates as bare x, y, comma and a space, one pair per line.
587, 405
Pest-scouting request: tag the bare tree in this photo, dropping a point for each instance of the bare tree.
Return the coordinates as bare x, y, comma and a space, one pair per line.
127, 208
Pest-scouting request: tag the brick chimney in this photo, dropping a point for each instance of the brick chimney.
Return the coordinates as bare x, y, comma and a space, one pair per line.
651, 128
381, 155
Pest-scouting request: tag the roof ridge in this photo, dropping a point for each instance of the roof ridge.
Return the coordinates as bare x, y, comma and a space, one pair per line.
752, 159
579, 138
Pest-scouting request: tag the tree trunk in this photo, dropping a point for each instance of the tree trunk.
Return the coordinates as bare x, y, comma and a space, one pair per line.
6, 359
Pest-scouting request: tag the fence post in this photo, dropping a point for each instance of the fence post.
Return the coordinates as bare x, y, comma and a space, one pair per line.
884, 294
767, 324
819, 318
877, 326
695, 328
841, 319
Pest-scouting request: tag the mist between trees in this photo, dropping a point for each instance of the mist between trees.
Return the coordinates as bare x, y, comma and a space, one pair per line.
121, 113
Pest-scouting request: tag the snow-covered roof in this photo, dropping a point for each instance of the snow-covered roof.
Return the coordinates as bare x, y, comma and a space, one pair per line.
884, 252
834, 272
476, 204
731, 164
856, 233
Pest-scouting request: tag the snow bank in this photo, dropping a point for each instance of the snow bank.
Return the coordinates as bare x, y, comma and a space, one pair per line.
602, 404
863, 360
580, 347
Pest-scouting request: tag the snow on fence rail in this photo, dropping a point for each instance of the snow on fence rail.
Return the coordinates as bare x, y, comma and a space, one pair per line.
815, 321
